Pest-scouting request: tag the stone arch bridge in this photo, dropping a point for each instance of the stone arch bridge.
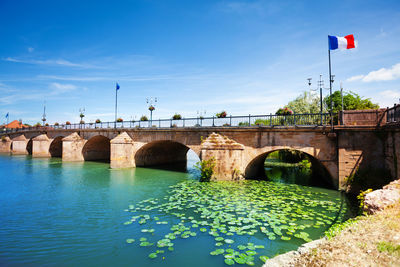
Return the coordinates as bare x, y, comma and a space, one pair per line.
239, 152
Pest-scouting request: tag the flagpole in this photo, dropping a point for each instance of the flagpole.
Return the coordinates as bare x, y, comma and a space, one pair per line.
116, 101
330, 83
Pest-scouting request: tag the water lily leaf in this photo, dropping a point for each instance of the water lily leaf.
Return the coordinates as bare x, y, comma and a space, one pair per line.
130, 240
152, 255
264, 258
229, 241
229, 261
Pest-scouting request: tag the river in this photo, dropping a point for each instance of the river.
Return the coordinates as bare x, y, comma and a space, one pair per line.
85, 214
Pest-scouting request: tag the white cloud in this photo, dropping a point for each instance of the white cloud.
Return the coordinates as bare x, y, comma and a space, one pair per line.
58, 88
50, 62
382, 74
31, 49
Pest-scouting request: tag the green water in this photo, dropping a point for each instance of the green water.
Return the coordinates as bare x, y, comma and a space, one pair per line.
81, 214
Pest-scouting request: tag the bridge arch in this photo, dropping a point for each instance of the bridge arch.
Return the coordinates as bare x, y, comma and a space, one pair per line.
160, 153
320, 177
29, 146
55, 149
97, 148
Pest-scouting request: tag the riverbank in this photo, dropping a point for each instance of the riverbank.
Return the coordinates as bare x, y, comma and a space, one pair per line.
372, 240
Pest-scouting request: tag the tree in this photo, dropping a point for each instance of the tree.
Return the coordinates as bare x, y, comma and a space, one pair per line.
305, 103
351, 101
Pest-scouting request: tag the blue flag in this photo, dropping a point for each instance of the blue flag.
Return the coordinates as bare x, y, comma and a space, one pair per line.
117, 86
7, 115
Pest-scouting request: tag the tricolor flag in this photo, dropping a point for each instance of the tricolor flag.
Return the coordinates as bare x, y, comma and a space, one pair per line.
336, 42
117, 86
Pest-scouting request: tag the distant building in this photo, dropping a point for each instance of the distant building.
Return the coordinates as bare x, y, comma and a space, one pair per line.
14, 125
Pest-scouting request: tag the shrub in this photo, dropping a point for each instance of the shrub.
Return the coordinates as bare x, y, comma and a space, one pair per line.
226, 124
56, 124
207, 169
260, 122
177, 117
67, 123
120, 120
98, 121
46, 124
221, 115
243, 123
284, 111
144, 118
174, 125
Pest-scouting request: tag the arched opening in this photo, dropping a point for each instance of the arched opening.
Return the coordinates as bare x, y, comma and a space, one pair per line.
29, 147
55, 149
97, 148
165, 155
289, 166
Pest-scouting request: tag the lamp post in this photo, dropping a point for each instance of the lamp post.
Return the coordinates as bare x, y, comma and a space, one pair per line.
44, 113
81, 115
200, 116
320, 87
152, 106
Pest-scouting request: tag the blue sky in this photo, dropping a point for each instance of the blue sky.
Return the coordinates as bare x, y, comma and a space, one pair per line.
245, 57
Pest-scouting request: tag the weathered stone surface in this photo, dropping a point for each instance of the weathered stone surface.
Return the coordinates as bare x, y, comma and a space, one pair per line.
5, 144
72, 147
228, 155
19, 145
122, 152
41, 146
380, 199
287, 259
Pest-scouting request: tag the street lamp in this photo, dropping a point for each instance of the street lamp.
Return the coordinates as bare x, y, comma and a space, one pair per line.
44, 113
320, 87
200, 116
81, 115
152, 106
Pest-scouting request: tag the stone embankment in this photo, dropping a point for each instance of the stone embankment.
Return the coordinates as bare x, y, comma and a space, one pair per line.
380, 199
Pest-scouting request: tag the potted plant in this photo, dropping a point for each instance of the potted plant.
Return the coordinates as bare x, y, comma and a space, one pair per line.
98, 121
82, 122
151, 108
67, 123
120, 120
56, 124
144, 118
221, 115
46, 124
284, 111
177, 117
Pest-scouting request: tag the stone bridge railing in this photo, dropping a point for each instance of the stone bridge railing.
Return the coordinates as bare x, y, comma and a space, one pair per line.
312, 119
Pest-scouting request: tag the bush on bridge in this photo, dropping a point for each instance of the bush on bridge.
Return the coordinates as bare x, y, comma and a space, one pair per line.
98, 121
120, 120
67, 123
56, 124
221, 114
144, 118
177, 117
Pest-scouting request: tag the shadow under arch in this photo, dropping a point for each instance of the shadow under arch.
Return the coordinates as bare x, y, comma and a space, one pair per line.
97, 148
55, 148
320, 175
29, 146
162, 154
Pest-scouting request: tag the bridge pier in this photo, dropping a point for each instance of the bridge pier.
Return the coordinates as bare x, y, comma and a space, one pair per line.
122, 152
19, 145
41, 146
72, 146
5, 144
228, 156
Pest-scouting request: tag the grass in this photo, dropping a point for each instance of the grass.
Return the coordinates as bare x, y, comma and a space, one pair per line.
372, 240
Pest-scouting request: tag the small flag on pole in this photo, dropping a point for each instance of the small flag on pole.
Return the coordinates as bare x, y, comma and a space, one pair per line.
7, 115
117, 86
336, 42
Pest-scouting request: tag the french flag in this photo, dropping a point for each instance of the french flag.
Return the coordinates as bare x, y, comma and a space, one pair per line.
336, 42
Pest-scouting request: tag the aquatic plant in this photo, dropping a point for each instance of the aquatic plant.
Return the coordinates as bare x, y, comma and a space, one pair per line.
227, 210
206, 168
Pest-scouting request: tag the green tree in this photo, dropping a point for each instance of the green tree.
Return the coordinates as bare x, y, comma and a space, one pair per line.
351, 101
305, 103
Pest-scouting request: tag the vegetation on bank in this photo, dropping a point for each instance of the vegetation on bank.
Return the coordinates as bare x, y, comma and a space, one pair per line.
372, 240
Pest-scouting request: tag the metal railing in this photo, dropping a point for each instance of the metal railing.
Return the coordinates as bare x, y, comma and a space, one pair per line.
393, 114
270, 120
